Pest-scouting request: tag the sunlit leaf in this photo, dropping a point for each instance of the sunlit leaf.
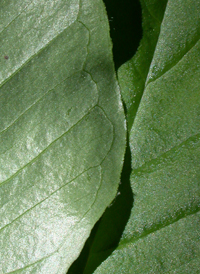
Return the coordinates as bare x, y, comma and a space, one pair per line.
62, 131
162, 234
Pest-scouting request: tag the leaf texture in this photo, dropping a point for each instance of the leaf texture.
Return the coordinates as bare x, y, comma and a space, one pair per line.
162, 234
62, 131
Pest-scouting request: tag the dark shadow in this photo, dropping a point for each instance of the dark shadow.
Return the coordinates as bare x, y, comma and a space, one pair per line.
126, 32
107, 232
125, 18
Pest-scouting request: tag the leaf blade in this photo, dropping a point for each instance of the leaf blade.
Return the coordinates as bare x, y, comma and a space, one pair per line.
161, 235
59, 134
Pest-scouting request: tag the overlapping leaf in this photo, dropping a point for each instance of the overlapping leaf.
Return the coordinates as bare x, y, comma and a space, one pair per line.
62, 131
162, 235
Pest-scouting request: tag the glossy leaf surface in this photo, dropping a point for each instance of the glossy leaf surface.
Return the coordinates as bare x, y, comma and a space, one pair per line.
62, 131
162, 234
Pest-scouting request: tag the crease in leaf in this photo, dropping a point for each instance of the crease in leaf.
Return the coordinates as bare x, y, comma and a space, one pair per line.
162, 234
133, 74
187, 34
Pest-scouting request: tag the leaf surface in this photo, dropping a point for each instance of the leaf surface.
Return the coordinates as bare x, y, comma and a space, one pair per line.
162, 234
132, 75
62, 131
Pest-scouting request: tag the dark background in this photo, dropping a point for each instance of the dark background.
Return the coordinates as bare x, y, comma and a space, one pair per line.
125, 21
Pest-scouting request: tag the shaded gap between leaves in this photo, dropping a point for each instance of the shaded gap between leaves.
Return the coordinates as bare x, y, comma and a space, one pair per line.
125, 19
106, 234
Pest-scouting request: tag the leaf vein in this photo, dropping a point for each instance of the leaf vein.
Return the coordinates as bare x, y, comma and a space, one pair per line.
134, 240
40, 202
34, 159
16, 16
165, 152
34, 55
174, 64
34, 103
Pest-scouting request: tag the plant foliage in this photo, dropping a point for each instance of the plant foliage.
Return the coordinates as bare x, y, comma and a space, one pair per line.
63, 133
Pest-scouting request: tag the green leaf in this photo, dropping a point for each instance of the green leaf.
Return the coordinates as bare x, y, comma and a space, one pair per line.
132, 75
62, 131
162, 234
107, 232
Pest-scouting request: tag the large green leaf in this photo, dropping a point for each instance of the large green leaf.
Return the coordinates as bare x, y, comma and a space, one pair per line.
62, 131
162, 234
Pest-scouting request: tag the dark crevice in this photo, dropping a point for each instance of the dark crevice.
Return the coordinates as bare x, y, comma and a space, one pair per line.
125, 19
106, 234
